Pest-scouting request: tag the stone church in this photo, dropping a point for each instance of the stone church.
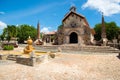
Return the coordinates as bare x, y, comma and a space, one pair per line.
74, 29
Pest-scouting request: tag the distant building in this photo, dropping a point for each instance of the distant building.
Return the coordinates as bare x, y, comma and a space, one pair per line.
49, 37
75, 29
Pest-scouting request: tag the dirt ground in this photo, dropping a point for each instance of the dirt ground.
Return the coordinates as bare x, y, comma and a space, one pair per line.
65, 67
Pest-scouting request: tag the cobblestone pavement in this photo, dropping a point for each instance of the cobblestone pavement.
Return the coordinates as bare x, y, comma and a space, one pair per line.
65, 67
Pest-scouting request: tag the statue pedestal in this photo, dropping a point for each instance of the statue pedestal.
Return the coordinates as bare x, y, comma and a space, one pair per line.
104, 41
38, 42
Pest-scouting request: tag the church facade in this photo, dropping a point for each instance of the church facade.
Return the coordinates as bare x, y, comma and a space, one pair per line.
74, 30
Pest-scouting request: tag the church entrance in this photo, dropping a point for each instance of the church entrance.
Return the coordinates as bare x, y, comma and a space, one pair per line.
73, 38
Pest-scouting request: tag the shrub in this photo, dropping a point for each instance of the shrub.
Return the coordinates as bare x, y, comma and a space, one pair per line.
8, 47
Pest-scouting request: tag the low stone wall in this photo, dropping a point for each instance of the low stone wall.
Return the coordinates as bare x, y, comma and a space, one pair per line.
3, 57
26, 61
32, 61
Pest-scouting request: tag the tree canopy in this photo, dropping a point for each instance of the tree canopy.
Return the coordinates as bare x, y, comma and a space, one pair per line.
60, 26
9, 32
112, 30
22, 32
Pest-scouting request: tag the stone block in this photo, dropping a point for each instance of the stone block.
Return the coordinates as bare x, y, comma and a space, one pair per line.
42, 58
3, 57
26, 61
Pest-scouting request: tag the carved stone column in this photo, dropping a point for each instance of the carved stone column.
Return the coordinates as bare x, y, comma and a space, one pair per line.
38, 30
103, 33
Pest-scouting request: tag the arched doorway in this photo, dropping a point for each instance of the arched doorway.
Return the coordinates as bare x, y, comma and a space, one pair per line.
73, 37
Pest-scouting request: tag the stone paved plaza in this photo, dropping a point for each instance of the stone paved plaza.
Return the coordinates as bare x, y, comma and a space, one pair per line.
65, 67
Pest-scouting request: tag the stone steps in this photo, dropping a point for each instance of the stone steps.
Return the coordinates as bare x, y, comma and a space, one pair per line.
12, 57
105, 49
101, 49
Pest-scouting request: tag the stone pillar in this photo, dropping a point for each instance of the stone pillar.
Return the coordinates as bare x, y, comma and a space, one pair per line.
50, 39
115, 43
67, 40
103, 33
38, 30
80, 41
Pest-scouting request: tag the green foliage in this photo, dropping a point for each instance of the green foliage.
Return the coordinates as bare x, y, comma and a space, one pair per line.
9, 32
60, 26
8, 47
2, 37
112, 30
41, 35
53, 37
24, 31
97, 29
12, 30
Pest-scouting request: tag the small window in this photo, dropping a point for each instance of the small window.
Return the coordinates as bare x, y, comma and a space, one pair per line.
72, 15
68, 18
76, 17
80, 19
85, 31
73, 25
64, 22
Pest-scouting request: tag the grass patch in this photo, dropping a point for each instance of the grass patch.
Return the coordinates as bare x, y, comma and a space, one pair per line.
8, 47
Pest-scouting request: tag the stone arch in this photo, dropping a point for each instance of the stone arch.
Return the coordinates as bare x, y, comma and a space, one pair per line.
73, 37
76, 31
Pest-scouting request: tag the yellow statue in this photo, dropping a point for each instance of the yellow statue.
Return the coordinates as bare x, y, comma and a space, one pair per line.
29, 48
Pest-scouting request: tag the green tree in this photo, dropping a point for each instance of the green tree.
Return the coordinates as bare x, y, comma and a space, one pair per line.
112, 30
9, 32
97, 29
2, 37
24, 31
12, 31
60, 26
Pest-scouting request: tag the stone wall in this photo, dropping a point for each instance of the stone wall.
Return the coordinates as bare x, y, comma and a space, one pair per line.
32, 61
81, 29
26, 61
3, 57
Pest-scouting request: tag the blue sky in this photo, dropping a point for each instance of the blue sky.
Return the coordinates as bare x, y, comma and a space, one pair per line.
51, 12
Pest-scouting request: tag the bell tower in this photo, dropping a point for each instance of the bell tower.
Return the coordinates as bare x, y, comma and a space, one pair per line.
73, 9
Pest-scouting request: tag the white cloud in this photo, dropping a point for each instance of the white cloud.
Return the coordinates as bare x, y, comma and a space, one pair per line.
108, 7
45, 30
2, 25
2, 12
17, 25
